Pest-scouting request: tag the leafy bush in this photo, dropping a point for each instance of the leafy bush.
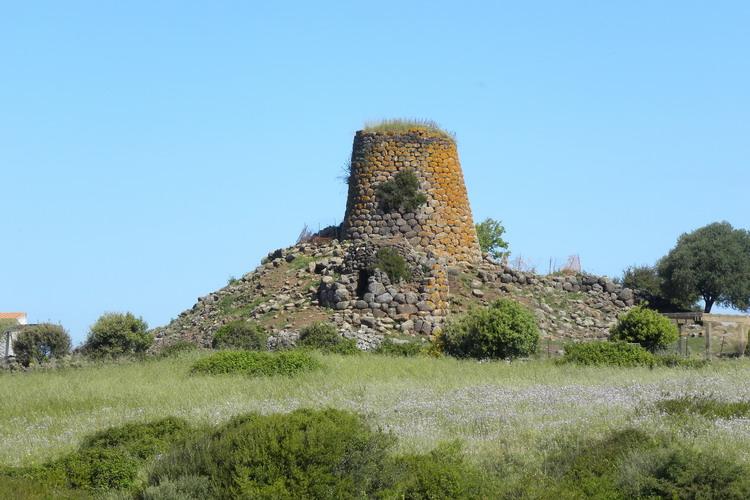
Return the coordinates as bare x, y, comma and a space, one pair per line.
490, 235
705, 406
117, 334
393, 264
184, 488
677, 361
141, 440
442, 473
40, 343
632, 464
177, 348
97, 469
241, 335
390, 348
302, 454
617, 353
600, 353
674, 471
646, 327
505, 330
108, 460
401, 193
325, 337
256, 363
16, 487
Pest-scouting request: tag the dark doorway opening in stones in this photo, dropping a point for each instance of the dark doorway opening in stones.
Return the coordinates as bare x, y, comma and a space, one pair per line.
362, 282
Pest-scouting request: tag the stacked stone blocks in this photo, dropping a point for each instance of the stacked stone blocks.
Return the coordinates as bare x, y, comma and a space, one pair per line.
443, 226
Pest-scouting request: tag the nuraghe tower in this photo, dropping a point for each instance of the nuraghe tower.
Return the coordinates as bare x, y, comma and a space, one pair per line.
443, 226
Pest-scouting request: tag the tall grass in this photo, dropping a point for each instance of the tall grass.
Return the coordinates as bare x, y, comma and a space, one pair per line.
521, 409
400, 125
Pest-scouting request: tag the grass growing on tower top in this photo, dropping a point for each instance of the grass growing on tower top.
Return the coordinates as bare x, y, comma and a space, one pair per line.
400, 125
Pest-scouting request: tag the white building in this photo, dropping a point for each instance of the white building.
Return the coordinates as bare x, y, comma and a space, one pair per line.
8, 332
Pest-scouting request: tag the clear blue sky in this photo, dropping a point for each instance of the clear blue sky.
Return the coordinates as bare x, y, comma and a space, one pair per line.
150, 150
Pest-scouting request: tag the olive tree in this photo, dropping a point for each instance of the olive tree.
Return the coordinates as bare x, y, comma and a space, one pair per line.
711, 264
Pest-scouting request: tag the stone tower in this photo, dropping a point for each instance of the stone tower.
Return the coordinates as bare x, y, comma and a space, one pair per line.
443, 225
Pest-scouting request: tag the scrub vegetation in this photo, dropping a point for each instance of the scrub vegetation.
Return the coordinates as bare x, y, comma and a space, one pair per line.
413, 426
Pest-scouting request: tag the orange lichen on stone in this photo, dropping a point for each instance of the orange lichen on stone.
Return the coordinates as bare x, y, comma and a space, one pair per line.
443, 226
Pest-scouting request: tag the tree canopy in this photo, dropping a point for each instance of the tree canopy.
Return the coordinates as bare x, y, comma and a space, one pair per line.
490, 234
116, 334
711, 263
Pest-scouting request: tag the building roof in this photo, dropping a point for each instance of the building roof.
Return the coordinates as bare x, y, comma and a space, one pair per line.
12, 315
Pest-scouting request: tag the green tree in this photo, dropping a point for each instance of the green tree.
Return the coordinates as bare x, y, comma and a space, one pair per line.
7, 324
41, 343
490, 235
713, 264
643, 278
116, 334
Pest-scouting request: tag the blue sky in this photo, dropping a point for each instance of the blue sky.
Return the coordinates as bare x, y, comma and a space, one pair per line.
150, 150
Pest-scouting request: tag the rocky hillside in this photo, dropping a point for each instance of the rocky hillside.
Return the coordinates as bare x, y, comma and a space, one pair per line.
294, 287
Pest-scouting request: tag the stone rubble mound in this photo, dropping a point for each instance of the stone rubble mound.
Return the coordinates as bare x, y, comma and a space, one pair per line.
319, 280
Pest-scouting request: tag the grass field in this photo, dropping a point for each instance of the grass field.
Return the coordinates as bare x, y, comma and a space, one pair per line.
511, 411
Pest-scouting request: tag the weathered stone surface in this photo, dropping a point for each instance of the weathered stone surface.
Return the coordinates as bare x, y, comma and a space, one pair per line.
443, 225
407, 309
625, 294
384, 298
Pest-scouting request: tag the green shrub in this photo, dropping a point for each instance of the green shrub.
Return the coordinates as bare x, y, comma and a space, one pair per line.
646, 327
36, 488
443, 473
40, 343
325, 337
617, 353
602, 353
401, 193
140, 440
393, 264
677, 361
108, 460
302, 454
675, 471
241, 335
256, 363
177, 348
184, 488
705, 406
390, 348
111, 459
632, 464
504, 330
117, 334
97, 469
490, 235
